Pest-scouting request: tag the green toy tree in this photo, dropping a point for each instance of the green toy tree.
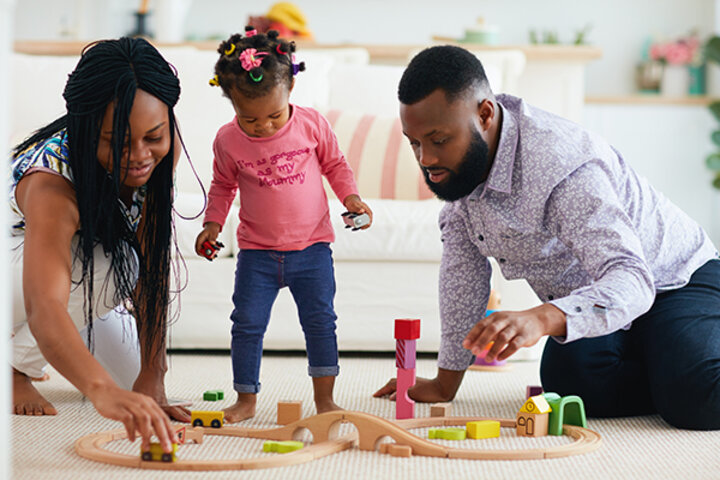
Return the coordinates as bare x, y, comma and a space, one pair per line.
712, 53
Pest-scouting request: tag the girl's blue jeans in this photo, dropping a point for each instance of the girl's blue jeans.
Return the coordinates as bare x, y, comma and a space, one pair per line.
667, 363
260, 274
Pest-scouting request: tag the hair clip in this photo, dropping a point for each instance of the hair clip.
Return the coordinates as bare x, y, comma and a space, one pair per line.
279, 50
251, 58
230, 49
214, 81
255, 79
250, 33
295, 68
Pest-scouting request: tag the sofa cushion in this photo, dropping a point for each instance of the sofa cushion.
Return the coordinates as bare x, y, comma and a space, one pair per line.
402, 231
381, 157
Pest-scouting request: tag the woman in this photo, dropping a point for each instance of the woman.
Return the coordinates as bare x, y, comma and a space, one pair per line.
92, 193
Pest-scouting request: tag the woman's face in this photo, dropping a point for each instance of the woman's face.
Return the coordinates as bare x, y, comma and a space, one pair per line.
148, 144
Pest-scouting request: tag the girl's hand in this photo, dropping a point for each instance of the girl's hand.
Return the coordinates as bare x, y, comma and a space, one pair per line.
139, 413
210, 233
354, 204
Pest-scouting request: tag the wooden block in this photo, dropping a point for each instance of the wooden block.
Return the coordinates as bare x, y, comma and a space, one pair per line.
536, 404
407, 328
440, 410
532, 424
532, 390
405, 353
404, 405
286, 446
448, 433
483, 429
213, 395
288, 412
384, 447
399, 450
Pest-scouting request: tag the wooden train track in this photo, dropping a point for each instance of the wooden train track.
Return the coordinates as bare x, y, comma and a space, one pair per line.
370, 432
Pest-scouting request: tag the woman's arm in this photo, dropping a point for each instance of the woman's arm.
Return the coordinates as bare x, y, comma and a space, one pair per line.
47, 273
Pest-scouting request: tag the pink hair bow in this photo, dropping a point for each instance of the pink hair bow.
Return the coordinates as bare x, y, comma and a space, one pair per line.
250, 58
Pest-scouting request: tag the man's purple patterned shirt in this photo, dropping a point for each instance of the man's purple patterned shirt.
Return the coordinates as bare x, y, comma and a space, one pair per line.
562, 209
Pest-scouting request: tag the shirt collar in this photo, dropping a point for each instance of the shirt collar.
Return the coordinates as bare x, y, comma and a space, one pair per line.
500, 178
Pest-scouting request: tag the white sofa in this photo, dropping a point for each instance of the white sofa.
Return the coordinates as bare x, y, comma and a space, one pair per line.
389, 271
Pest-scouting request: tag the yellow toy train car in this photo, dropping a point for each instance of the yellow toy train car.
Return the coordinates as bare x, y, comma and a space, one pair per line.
156, 453
207, 418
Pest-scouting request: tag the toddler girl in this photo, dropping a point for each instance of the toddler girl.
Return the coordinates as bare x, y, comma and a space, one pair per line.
274, 154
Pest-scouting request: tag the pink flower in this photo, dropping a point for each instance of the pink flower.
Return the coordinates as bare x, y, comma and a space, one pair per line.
680, 52
251, 58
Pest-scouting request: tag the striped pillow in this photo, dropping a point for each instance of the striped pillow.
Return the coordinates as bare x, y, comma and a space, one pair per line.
380, 156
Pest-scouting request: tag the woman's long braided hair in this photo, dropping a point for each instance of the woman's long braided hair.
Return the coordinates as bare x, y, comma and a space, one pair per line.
111, 71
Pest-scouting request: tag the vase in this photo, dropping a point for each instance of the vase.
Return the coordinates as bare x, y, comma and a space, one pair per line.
675, 81
697, 79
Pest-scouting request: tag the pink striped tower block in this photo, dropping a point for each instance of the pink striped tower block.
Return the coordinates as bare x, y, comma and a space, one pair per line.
407, 331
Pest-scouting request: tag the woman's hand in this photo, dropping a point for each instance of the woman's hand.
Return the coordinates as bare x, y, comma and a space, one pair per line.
354, 204
510, 331
138, 412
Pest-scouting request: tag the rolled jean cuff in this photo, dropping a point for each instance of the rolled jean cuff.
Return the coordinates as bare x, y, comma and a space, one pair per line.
333, 371
240, 388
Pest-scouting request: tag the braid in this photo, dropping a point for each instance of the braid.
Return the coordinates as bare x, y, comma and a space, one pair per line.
255, 63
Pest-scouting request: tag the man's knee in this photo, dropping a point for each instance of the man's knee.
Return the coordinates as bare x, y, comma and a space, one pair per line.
690, 402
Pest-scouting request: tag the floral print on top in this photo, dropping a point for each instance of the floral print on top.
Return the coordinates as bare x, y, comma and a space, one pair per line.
51, 155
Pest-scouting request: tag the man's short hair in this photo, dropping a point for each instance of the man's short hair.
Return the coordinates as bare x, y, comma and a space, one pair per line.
452, 69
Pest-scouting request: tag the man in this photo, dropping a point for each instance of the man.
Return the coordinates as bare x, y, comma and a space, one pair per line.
631, 284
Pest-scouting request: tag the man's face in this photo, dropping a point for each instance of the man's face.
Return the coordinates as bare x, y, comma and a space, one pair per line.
447, 143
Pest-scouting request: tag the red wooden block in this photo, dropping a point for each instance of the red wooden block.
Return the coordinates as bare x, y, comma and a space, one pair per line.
407, 328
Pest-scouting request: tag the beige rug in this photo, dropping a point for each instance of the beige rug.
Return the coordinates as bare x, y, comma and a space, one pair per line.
642, 447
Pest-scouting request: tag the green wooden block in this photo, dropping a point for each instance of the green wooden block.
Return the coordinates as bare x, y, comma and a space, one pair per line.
282, 447
213, 395
453, 433
568, 410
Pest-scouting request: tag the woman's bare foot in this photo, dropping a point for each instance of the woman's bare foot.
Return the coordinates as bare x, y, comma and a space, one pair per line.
243, 409
323, 387
26, 399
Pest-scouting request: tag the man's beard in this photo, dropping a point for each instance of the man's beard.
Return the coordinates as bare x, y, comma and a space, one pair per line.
471, 172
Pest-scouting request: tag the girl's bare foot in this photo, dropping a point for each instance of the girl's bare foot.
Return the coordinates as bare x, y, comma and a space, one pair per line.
326, 406
323, 387
243, 409
26, 399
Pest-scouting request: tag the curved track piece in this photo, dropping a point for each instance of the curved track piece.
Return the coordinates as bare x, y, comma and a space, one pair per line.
370, 430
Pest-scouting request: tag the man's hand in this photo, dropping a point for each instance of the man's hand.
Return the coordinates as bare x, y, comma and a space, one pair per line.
510, 331
439, 389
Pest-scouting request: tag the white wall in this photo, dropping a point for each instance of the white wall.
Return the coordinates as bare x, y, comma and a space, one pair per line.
619, 26
6, 14
667, 144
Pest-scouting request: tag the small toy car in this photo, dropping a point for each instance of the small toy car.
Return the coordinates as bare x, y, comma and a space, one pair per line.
355, 221
156, 453
209, 248
203, 418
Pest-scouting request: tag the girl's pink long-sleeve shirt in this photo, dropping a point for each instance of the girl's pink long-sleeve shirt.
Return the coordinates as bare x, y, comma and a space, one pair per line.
283, 205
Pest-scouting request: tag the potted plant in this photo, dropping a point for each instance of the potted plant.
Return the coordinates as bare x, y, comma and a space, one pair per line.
712, 53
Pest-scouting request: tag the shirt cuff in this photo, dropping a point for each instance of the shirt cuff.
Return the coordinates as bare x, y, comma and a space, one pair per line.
580, 314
